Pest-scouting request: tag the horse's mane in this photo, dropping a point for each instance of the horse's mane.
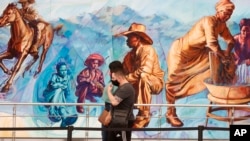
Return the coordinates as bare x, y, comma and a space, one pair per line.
12, 6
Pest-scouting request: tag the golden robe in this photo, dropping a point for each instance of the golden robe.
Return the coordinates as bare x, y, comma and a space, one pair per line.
187, 60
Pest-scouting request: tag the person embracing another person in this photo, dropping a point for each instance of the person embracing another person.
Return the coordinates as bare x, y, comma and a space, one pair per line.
122, 103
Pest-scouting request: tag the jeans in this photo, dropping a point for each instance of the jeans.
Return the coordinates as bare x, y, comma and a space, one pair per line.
105, 133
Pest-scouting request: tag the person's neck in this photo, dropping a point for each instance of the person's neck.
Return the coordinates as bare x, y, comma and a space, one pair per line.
123, 81
137, 47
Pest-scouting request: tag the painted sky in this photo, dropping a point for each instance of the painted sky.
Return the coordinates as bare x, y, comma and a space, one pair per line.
194, 8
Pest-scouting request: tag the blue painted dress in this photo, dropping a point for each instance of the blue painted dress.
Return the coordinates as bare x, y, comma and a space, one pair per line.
57, 91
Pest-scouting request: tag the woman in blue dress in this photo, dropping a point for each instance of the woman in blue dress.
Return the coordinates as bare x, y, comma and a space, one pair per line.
57, 91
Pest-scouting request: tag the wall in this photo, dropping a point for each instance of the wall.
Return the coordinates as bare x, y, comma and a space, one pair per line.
88, 27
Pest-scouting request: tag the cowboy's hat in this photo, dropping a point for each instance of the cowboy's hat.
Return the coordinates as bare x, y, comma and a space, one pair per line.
22, 1
138, 29
94, 56
29, 1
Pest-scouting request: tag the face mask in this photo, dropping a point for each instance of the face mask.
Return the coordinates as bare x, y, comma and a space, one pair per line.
115, 82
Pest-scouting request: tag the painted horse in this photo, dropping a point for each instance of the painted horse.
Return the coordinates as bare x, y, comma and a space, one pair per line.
20, 43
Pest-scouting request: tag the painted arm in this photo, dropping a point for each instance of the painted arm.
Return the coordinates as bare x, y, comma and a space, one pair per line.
146, 56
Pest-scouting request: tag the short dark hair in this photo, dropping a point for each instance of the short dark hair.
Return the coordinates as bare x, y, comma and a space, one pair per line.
116, 67
244, 22
58, 65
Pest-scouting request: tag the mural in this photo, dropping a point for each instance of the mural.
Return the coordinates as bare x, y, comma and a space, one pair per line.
185, 52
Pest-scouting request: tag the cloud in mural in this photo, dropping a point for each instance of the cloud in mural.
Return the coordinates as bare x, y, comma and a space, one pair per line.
67, 8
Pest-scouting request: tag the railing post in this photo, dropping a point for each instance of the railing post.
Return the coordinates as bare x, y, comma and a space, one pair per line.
14, 122
70, 129
200, 133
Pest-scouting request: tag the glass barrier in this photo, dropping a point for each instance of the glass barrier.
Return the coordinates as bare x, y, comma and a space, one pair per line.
86, 125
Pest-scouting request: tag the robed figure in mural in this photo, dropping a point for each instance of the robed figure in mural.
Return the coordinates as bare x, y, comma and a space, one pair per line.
143, 70
188, 61
90, 81
58, 90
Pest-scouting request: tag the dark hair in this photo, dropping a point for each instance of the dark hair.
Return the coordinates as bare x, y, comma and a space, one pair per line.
58, 65
244, 22
31, 1
116, 67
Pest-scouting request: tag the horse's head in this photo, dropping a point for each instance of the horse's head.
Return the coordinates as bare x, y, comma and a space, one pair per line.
9, 14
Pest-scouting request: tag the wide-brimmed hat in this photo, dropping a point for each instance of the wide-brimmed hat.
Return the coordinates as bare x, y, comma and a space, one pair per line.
94, 56
138, 29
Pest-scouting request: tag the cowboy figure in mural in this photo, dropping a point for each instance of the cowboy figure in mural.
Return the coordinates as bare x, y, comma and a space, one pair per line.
90, 81
188, 61
21, 42
143, 70
31, 16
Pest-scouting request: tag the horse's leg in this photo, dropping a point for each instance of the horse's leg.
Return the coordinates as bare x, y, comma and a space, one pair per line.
42, 58
5, 55
49, 35
31, 63
16, 68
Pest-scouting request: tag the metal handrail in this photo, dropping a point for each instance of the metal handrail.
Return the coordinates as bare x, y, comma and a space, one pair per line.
71, 128
101, 104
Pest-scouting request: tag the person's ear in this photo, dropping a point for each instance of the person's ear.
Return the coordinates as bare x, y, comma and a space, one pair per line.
114, 75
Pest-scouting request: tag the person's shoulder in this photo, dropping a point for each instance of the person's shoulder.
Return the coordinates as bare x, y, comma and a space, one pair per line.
99, 71
130, 86
208, 18
236, 36
84, 70
54, 75
125, 86
31, 9
148, 47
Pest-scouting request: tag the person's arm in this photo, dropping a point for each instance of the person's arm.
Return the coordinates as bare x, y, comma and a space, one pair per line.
100, 82
31, 14
209, 25
83, 77
146, 56
54, 84
114, 100
227, 36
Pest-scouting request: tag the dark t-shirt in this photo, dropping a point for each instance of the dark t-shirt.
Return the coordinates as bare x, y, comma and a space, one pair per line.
127, 93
